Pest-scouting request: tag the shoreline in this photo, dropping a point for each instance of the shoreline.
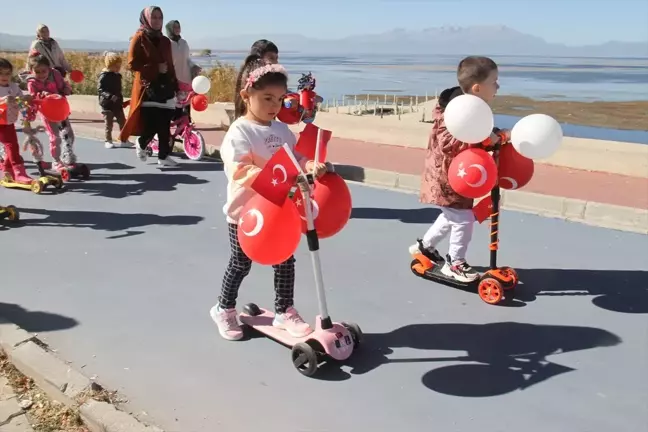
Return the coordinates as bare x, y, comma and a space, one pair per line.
630, 115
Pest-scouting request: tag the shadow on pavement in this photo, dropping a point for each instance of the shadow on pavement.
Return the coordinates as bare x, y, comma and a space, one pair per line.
195, 167
415, 215
497, 358
109, 166
124, 185
34, 322
624, 291
105, 221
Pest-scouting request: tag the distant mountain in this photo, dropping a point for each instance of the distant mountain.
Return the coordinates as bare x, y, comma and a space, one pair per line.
453, 40
21, 43
487, 40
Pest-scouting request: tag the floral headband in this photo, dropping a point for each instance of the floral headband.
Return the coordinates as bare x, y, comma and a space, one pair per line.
256, 74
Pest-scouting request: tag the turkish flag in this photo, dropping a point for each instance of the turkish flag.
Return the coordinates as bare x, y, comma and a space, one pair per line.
483, 209
278, 176
307, 142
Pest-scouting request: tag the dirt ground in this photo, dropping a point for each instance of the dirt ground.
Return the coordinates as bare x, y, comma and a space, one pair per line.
632, 115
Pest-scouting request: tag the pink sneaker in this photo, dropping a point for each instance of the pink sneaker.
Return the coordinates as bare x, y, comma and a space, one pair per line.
293, 323
227, 323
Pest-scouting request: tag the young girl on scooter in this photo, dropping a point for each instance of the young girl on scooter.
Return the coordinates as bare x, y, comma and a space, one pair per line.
46, 80
254, 137
14, 166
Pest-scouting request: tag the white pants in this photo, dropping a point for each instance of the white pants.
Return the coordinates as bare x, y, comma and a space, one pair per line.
459, 223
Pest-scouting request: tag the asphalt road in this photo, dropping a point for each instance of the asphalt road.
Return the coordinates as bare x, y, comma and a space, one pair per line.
118, 275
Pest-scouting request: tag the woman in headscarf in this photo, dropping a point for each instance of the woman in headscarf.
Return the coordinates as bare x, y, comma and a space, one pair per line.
185, 69
49, 48
153, 100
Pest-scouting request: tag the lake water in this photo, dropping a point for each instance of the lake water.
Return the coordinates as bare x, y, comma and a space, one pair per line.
583, 79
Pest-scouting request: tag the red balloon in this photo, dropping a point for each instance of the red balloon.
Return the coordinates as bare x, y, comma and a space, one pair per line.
199, 102
473, 173
289, 112
330, 204
55, 108
76, 76
515, 170
269, 234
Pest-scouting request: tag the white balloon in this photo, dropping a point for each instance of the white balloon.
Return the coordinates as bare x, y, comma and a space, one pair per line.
537, 136
469, 119
201, 84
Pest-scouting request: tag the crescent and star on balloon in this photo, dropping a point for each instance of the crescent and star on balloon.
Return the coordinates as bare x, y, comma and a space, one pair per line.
483, 175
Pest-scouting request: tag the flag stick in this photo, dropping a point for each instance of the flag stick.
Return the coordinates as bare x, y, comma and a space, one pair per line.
317, 147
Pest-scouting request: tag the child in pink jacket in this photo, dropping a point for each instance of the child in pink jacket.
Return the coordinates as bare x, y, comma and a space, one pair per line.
46, 80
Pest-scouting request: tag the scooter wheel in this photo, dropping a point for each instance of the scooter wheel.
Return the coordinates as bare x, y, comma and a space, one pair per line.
356, 332
58, 183
85, 172
513, 274
304, 359
252, 309
14, 214
490, 290
65, 175
37, 186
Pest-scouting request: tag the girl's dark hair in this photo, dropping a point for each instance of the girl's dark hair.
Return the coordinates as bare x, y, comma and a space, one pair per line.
38, 60
263, 46
252, 63
6, 64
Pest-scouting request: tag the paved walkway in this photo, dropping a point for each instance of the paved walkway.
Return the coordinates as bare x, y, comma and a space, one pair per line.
118, 274
548, 180
12, 416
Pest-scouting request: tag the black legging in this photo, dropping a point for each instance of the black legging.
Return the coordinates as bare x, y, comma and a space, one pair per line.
238, 268
157, 121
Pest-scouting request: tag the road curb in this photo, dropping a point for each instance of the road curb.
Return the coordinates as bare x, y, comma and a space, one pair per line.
63, 383
586, 212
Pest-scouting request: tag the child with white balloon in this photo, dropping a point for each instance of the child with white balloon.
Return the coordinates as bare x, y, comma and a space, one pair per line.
470, 120
250, 142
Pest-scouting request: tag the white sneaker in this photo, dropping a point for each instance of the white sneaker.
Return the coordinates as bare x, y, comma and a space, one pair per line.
460, 271
141, 153
293, 323
168, 162
109, 145
227, 323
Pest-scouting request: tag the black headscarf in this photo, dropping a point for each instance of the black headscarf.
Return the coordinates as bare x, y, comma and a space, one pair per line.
169, 30
145, 21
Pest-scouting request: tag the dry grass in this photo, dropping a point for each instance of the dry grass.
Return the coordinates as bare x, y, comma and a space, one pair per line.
222, 76
45, 414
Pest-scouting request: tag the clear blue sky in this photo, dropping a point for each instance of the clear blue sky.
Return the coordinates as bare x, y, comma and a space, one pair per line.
574, 22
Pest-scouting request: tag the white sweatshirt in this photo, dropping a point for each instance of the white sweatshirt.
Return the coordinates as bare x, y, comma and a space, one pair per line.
246, 148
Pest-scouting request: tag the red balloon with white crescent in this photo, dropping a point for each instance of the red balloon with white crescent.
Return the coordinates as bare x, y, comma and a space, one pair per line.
473, 173
55, 108
269, 234
330, 203
515, 170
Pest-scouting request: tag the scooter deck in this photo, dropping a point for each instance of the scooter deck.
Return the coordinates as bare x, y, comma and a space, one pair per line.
434, 274
263, 324
43, 180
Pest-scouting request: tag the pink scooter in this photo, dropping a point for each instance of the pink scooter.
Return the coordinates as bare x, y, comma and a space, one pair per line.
329, 340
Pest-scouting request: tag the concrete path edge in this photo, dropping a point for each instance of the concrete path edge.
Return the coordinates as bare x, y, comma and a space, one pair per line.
587, 212
61, 382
